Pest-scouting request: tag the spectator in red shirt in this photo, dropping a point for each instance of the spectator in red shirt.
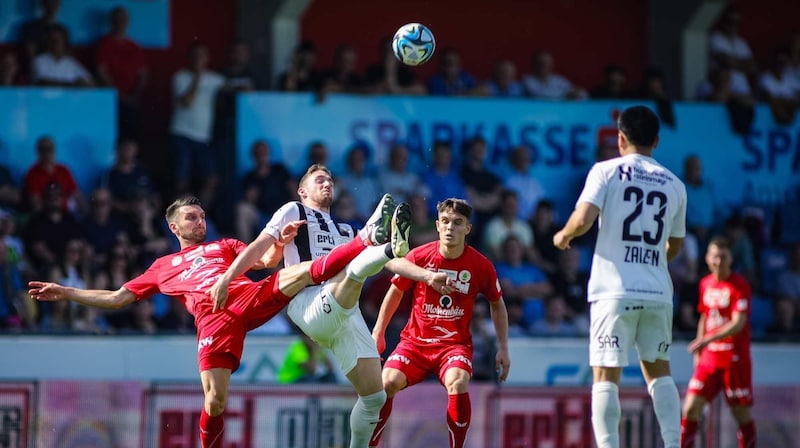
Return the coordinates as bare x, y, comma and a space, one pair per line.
121, 64
46, 171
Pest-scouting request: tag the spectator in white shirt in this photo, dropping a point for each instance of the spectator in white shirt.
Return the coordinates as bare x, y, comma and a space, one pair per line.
725, 42
544, 82
194, 90
55, 67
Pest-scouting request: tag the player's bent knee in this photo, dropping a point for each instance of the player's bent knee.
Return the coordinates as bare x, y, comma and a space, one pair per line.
215, 403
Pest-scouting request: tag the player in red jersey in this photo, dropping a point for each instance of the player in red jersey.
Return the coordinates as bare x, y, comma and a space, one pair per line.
436, 339
189, 274
722, 348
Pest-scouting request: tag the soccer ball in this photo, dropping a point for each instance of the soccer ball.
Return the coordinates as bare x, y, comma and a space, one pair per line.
413, 44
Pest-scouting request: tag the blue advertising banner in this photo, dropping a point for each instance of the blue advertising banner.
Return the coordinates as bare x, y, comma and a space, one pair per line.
562, 137
88, 20
82, 123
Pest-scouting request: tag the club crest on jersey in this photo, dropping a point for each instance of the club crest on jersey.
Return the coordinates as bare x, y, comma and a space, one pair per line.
461, 279
624, 172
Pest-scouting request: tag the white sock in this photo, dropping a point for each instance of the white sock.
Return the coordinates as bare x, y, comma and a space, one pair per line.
364, 417
667, 405
367, 263
606, 412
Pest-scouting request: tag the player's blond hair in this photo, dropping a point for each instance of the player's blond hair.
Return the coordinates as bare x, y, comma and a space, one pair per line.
172, 210
312, 169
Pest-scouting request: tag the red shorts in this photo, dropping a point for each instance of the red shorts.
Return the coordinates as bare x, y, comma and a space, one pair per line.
220, 335
737, 382
417, 362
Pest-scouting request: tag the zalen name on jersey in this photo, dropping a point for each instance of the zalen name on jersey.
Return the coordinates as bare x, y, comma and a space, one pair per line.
642, 255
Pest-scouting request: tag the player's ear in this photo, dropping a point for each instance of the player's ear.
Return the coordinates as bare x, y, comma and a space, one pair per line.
301, 192
469, 228
655, 142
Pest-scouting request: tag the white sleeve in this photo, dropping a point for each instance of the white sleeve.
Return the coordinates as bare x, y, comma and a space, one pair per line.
180, 82
679, 222
594, 190
287, 212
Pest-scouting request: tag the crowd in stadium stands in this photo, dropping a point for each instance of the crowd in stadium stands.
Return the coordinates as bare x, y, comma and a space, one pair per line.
51, 230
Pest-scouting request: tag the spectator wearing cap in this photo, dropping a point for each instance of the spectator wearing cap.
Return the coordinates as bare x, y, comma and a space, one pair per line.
46, 171
359, 182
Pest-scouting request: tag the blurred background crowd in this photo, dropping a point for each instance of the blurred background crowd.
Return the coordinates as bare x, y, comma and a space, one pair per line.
50, 229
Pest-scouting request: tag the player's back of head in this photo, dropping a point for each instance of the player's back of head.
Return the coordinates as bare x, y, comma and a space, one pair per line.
640, 126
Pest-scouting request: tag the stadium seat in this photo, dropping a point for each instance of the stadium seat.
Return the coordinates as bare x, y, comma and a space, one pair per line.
761, 315
773, 261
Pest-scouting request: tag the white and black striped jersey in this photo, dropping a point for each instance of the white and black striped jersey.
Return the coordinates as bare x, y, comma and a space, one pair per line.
317, 237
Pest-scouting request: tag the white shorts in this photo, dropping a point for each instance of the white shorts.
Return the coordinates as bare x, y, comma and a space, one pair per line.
343, 332
619, 324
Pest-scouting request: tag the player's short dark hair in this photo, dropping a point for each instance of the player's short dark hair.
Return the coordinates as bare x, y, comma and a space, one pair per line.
172, 210
720, 242
459, 206
640, 125
313, 168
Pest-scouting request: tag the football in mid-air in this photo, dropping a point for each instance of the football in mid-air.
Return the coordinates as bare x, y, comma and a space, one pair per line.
413, 44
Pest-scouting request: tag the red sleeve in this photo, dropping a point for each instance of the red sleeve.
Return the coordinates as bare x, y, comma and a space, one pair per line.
402, 283
67, 181
491, 287
236, 246
145, 285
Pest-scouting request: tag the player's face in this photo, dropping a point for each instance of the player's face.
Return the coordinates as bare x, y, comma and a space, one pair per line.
718, 260
453, 228
317, 190
190, 224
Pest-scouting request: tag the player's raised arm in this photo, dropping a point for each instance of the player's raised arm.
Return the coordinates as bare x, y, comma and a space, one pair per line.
100, 298
436, 280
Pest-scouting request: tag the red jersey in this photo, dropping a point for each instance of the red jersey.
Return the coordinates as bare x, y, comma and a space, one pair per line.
38, 178
444, 319
718, 301
124, 60
188, 275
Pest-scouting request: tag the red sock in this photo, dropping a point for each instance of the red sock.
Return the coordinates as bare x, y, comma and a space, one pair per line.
331, 264
747, 435
211, 430
688, 433
377, 433
459, 414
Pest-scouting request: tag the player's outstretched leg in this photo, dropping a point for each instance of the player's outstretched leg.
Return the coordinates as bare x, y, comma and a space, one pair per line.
401, 228
372, 260
376, 230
